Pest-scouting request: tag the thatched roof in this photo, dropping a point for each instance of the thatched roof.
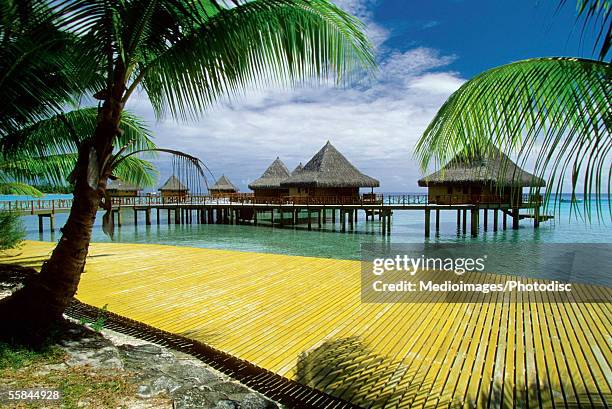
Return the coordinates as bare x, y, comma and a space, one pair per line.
493, 167
297, 169
223, 185
120, 185
173, 184
272, 177
329, 168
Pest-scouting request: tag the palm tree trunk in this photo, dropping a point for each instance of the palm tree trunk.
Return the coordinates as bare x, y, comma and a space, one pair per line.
30, 313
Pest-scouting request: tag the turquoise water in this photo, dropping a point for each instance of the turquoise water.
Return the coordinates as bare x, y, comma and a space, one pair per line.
407, 227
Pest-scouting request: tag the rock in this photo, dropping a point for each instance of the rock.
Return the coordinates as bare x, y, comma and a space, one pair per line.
229, 387
255, 401
144, 391
227, 404
165, 384
194, 397
198, 374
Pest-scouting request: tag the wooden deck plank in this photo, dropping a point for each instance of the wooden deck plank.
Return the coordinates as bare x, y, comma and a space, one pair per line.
291, 314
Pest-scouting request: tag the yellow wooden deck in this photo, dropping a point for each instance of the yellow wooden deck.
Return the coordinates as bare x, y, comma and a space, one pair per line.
302, 317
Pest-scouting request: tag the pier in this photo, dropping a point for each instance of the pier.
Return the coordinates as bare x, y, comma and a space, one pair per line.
312, 212
302, 318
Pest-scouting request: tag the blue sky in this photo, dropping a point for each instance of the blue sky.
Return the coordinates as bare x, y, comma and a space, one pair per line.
426, 50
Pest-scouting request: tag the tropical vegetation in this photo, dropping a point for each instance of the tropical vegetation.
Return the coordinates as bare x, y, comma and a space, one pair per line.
553, 112
184, 55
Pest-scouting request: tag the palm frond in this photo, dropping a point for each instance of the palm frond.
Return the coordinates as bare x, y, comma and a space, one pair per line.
136, 171
260, 42
596, 15
52, 169
16, 188
63, 132
556, 110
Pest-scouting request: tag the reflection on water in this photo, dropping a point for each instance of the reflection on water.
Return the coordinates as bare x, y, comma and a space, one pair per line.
407, 227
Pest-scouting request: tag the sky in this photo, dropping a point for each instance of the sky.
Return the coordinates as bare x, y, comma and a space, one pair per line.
425, 51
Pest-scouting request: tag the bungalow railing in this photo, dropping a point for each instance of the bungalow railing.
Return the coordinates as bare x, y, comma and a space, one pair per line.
36, 205
32, 206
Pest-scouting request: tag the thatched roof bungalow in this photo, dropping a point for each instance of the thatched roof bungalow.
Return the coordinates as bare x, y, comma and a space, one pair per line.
489, 178
222, 186
269, 184
297, 169
328, 174
120, 188
173, 187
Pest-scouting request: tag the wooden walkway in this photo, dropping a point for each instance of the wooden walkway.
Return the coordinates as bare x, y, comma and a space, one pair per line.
303, 318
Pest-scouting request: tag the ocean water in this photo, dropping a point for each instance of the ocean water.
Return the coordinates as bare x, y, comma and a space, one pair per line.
406, 227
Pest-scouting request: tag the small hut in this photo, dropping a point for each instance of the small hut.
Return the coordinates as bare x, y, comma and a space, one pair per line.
269, 184
297, 169
488, 178
222, 187
174, 188
119, 188
328, 174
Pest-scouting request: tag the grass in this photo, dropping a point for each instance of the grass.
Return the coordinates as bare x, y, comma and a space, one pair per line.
81, 386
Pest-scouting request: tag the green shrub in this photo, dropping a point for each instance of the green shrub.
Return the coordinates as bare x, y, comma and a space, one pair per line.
12, 231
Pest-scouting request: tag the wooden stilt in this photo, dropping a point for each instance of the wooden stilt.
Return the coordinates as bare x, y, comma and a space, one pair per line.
495, 217
309, 220
343, 220
384, 222
119, 217
52, 222
437, 221
319, 218
324, 216
458, 221
255, 217
464, 227
272, 216
389, 214
504, 220
135, 217
515, 218
536, 217
485, 219
474, 222
148, 216
333, 212
157, 214
40, 223
427, 222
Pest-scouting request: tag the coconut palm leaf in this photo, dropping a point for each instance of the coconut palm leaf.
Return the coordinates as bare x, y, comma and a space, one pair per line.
596, 14
187, 54
17, 188
136, 171
37, 65
556, 110
62, 133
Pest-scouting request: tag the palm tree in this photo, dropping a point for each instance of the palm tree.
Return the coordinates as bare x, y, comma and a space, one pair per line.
185, 54
555, 111
50, 154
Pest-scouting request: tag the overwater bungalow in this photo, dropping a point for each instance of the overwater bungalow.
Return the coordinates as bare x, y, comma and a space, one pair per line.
490, 178
269, 184
297, 169
173, 188
328, 174
222, 187
120, 188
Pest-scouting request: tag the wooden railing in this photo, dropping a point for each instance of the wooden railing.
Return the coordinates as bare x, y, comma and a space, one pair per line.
36, 205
